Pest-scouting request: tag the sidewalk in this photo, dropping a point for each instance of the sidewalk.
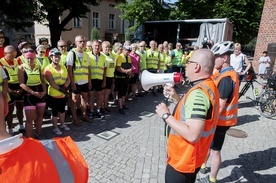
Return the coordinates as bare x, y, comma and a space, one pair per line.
137, 152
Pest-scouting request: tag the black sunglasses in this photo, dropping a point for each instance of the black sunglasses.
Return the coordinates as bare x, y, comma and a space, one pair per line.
26, 51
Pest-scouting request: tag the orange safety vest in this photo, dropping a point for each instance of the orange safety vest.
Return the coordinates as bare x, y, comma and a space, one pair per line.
55, 160
183, 155
229, 115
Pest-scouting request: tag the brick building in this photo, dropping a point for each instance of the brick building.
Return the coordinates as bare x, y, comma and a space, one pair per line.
266, 39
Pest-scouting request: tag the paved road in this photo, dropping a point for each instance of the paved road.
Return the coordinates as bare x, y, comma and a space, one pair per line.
137, 152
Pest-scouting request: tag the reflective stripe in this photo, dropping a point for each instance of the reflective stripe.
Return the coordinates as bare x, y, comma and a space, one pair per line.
59, 77
228, 117
230, 107
80, 74
62, 166
208, 133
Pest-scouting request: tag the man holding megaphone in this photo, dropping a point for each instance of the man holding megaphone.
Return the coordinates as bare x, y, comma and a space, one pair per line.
194, 120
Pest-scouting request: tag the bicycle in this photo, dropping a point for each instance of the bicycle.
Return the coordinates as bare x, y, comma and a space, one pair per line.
266, 100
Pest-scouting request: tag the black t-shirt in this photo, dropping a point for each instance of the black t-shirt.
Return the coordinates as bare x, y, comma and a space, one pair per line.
226, 87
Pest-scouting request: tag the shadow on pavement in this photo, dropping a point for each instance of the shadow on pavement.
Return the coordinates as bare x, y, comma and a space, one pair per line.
247, 119
252, 162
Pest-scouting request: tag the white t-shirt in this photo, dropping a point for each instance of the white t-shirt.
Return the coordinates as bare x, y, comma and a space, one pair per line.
4, 75
70, 61
237, 62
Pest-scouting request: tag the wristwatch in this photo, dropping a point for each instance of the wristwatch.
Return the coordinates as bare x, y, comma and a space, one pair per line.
165, 116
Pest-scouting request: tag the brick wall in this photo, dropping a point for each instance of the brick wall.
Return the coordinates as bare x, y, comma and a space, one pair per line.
267, 30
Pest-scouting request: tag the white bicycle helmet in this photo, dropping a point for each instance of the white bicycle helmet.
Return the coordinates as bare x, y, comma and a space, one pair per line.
225, 47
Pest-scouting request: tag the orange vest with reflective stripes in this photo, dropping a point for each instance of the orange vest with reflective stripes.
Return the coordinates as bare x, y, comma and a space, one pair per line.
229, 115
55, 160
183, 155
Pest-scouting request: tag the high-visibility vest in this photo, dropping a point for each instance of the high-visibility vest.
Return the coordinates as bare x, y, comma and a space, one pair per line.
110, 64
177, 59
143, 60
59, 78
33, 75
97, 66
162, 58
44, 63
168, 61
23, 59
152, 59
229, 115
12, 71
63, 58
123, 62
55, 160
81, 70
183, 155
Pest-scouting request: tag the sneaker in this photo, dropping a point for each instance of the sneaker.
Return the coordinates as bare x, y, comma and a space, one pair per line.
57, 131
125, 107
11, 132
121, 111
204, 180
99, 114
134, 98
64, 127
86, 119
204, 170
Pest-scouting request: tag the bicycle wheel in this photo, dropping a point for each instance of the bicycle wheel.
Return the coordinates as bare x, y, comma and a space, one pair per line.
267, 104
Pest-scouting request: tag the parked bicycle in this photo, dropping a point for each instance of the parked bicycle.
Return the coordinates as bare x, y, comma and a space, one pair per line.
265, 100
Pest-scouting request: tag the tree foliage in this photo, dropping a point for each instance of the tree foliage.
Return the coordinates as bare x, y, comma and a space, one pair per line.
47, 12
244, 14
141, 11
94, 34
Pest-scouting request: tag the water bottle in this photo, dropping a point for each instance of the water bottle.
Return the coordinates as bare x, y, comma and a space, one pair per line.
256, 91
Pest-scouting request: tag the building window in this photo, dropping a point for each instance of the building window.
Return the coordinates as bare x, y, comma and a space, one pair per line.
96, 19
77, 22
111, 22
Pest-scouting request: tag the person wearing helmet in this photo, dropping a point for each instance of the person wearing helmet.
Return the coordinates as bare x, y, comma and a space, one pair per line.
228, 85
57, 76
237, 60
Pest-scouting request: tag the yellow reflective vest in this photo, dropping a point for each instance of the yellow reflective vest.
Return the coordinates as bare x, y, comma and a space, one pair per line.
152, 59
33, 75
81, 70
12, 71
97, 66
59, 78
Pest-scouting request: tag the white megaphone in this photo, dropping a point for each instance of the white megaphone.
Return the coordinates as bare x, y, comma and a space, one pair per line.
149, 80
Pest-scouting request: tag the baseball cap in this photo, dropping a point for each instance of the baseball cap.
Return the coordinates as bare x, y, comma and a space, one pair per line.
54, 51
22, 44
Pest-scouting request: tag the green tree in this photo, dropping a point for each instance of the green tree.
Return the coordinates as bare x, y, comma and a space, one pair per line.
246, 19
141, 11
20, 14
94, 34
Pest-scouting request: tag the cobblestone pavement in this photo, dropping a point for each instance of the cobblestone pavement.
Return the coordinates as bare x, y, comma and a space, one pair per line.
137, 152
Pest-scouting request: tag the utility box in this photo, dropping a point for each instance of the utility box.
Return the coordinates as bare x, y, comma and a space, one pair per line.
188, 32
